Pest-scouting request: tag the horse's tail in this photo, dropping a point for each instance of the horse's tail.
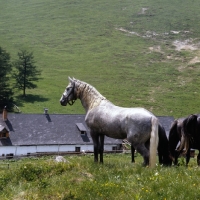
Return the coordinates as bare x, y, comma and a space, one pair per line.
163, 147
184, 144
153, 142
173, 139
188, 131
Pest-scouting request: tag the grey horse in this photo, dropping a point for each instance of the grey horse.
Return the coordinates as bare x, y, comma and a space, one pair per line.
138, 125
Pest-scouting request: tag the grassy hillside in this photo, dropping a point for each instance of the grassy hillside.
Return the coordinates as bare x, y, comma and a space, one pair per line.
131, 51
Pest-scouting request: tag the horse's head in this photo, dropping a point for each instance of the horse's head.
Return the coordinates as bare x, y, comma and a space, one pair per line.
69, 95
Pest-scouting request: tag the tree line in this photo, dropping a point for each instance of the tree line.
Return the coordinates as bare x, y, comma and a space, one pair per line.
20, 74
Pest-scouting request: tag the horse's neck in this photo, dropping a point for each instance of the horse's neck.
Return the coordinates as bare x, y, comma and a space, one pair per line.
89, 96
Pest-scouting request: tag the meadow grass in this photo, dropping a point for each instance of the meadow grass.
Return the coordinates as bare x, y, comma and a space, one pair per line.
80, 178
123, 48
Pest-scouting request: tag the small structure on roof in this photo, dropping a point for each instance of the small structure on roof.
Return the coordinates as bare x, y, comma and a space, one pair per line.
81, 128
4, 133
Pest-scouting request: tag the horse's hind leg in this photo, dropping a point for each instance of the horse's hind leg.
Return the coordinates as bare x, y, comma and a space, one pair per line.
198, 158
101, 147
95, 139
133, 153
177, 154
144, 152
188, 157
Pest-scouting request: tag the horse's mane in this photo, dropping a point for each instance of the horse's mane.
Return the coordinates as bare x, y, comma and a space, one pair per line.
189, 124
88, 93
188, 131
89, 89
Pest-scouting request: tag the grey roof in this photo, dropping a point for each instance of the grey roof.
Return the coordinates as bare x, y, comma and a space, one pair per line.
49, 129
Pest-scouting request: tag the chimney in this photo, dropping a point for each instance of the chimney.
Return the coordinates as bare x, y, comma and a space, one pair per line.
5, 114
46, 111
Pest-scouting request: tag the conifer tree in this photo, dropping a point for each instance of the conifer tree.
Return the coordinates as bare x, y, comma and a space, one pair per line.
26, 72
5, 75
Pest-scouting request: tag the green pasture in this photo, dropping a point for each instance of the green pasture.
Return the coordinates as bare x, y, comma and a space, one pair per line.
123, 48
80, 178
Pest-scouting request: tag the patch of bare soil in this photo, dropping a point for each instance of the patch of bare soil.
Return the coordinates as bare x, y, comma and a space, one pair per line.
148, 34
185, 45
143, 11
126, 31
189, 64
196, 59
182, 81
189, 44
155, 48
181, 68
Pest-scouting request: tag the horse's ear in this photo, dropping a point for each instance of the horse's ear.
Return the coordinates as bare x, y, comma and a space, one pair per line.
71, 80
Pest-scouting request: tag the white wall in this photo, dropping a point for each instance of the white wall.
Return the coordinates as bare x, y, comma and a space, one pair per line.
23, 150
6, 150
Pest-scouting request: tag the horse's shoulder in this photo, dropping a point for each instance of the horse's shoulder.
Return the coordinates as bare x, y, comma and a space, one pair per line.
92, 114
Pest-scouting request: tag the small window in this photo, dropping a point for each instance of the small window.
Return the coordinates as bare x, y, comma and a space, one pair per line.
114, 148
82, 132
4, 135
77, 149
9, 156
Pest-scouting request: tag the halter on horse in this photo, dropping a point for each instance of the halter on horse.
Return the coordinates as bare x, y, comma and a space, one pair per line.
187, 132
138, 125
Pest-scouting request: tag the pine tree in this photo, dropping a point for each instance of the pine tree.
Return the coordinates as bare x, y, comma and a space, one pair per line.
5, 74
26, 72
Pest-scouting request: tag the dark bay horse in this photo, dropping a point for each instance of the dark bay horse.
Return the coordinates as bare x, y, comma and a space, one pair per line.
138, 125
185, 131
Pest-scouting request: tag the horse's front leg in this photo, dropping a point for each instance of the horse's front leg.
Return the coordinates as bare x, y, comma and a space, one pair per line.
101, 147
95, 138
133, 153
198, 158
188, 157
176, 156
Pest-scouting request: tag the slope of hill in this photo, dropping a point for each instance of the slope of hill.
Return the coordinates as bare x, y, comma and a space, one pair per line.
136, 53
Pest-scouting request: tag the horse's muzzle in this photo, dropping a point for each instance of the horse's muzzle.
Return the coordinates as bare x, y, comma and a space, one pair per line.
63, 103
